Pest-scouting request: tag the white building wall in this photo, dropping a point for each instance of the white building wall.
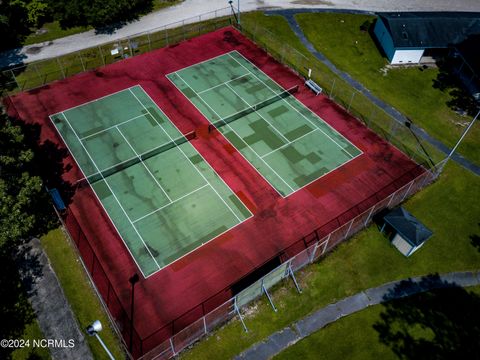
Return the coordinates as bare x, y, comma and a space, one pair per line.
406, 57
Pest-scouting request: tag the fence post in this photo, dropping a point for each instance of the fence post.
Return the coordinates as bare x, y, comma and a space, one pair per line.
408, 190
172, 347
326, 243
166, 36
205, 325
351, 99
312, 256
370, 214
81, 60
149, 42
15, 78
391, 198
101, 55
130, 47
38, 73
268, 297
61, 68
349, 228
331, 90
183, 29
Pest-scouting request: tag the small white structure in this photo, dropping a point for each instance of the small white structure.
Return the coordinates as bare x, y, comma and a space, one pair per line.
415, 37
405, 231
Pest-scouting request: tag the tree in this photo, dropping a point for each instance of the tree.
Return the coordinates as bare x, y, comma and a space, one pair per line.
14, 25
97, 13
21, 192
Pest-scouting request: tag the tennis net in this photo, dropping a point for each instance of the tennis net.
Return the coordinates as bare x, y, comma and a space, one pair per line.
253, 108
147, 155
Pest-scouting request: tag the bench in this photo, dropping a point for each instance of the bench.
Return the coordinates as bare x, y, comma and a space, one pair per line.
313, 86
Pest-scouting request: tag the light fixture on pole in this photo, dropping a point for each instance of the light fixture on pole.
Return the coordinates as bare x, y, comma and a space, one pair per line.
93, 330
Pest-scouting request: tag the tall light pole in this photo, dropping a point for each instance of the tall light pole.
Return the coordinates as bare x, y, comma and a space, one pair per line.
238, 10
93, 330
459, 141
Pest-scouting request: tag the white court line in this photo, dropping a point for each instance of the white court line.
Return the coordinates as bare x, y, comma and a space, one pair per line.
226, 82
198, 63
323, 122
281, 147
111, 127
145, 166
258, 113
94, 100
188, 158
240, 139
174, 201
119, 204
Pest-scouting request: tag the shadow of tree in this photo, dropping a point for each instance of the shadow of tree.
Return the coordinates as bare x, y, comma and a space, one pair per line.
15, 309
475, 240
443, 323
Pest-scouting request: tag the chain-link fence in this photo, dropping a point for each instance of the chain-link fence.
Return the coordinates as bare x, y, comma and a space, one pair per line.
206, 317
39, 73
313, 246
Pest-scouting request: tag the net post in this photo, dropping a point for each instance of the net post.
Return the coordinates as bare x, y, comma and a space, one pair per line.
268, 297
292, 275
237, 310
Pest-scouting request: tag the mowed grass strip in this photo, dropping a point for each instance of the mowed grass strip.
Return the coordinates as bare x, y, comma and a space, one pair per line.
409, 89
82, 298
449, 207
354, 336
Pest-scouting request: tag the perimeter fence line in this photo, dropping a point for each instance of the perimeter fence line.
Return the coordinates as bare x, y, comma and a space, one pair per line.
39, 73
168, 340
221, 307
305, 251
352, 100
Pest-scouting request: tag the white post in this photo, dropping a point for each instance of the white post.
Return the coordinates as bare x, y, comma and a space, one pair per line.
459, 141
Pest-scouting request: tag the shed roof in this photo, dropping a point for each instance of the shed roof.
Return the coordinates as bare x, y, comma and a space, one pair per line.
408, 226
430, 29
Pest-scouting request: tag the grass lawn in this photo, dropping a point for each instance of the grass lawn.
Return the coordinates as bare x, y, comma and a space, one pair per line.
32, 332
449, 207
79, 293
352, 337
410, 90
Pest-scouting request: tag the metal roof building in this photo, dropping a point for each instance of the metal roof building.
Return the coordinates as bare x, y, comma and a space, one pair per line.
405, 37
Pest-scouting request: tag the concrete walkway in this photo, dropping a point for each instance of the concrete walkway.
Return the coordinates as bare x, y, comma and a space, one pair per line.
53, 311
191, 8
394, 113
297, 331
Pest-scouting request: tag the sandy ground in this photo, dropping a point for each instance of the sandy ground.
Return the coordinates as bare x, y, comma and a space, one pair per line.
190, 9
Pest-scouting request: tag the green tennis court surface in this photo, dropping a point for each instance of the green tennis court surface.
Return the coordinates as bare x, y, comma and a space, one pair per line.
288, 144
161, 195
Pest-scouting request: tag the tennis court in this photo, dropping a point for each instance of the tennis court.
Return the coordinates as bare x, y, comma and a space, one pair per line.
161, 195
288, 144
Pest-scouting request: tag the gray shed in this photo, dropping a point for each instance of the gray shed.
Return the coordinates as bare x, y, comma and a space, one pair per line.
405, 231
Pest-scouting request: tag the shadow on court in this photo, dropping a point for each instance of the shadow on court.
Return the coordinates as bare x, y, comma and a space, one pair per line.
439, 324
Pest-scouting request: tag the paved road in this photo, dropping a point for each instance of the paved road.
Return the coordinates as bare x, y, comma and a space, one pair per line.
191, 8
394, 113
53, 311
297, 331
